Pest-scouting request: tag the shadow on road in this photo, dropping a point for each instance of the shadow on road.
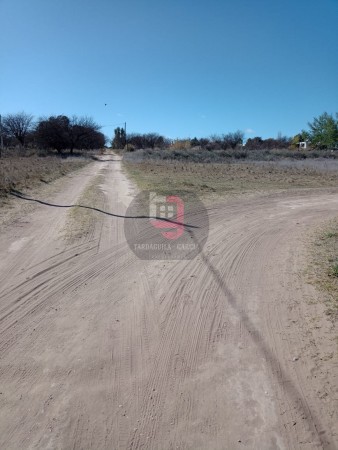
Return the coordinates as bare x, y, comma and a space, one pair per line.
283, 379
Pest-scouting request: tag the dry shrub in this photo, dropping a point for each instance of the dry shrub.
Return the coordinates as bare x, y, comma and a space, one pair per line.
24, 172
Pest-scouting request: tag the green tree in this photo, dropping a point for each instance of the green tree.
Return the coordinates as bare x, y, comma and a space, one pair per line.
323, 132
298, 138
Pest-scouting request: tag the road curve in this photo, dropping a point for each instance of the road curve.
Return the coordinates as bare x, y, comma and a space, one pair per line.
100, 350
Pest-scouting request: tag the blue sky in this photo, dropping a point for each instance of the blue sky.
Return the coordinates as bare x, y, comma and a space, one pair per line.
182, 68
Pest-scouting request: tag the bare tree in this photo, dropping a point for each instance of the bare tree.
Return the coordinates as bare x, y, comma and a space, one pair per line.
149, 140
18, 125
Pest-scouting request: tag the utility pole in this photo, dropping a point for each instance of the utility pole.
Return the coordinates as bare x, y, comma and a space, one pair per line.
1, 137
125, 133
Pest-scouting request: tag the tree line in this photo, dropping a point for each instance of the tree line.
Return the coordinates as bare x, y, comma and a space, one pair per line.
322, 134
69, 133
229, 141
59, 133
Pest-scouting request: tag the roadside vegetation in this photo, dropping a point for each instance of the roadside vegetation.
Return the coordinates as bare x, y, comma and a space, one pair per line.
39, 151
60, 133
22, 172
201, 155
210, 180
322, 135
225, 165
324, 265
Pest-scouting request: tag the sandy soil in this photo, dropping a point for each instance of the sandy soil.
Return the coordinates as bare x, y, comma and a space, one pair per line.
100, 350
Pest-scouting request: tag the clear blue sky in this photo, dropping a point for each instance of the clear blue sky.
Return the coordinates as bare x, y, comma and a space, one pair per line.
182, 68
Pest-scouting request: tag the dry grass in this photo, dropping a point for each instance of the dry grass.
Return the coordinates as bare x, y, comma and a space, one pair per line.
324, 265
217, 180
214, 181
81, 221
27, 172
202, 155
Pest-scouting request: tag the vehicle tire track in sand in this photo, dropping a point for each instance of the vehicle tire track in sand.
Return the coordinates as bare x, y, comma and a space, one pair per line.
101, 350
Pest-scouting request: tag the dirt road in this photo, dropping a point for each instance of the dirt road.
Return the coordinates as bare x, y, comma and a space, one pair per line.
100, 350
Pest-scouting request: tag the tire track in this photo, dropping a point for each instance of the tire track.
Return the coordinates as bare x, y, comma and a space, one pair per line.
101, 350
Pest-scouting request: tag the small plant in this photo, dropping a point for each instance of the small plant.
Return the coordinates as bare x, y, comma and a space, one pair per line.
331, 234
334, 270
